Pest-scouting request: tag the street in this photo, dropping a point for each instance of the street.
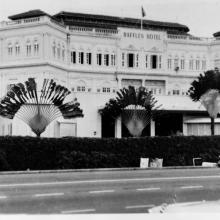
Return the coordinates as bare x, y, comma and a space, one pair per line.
126, 191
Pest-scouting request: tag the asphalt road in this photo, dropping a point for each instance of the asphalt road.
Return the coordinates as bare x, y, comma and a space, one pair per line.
105, 191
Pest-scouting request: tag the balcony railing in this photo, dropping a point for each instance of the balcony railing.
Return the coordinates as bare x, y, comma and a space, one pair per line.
173, 36
96, 31
106, 31
80, 29
27, 21
4, 24
31, 20
187, 37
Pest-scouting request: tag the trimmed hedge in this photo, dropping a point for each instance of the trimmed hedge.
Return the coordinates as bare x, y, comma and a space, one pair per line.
22, 153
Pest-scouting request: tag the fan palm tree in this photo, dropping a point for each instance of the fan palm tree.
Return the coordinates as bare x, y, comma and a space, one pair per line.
206, 89
38, 110
135, 106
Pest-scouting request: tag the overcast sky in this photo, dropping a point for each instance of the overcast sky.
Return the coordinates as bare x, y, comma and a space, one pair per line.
201, 16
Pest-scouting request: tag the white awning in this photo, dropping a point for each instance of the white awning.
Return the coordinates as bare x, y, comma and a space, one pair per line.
180, 103
200, 120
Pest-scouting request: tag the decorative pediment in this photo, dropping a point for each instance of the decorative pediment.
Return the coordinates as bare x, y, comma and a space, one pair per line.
154, 49
81, 48
131, 47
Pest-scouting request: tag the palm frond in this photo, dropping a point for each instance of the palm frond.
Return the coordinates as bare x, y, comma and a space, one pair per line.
133, 118
38, 110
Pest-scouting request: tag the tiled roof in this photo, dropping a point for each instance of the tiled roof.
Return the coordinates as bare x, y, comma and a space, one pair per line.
104, 21
28, 14
91, 20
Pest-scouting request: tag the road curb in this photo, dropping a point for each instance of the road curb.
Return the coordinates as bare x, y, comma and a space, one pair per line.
101, 170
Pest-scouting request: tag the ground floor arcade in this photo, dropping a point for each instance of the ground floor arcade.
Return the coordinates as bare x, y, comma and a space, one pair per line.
168, 123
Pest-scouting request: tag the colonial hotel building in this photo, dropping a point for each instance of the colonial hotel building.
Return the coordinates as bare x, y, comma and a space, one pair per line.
95, 55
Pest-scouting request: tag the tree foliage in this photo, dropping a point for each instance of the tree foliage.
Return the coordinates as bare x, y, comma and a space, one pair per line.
135, 106
206, 89
38, 108
129, 96
205, 82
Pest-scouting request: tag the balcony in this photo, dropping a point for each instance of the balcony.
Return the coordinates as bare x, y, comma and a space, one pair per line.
188, 38
178, 103
93, 31
29, 21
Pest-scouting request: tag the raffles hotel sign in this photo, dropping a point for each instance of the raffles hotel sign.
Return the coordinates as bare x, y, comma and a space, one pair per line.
148, 36
138, 39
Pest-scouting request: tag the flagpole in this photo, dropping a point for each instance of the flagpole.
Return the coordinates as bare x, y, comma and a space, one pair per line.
142, 15
142, 41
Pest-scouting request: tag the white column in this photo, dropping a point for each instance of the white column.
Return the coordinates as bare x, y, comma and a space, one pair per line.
118, 127
152, 128
1, 50
142, 59
99, 126
68, 49
47, 46
184, 127
43, 50
119, 83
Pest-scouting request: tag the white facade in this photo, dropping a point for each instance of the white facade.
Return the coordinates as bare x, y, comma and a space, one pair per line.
94, 63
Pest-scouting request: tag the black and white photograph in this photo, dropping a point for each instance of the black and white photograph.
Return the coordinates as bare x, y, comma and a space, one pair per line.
109, 107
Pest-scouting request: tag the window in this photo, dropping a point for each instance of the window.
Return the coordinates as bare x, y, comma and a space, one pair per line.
182, 64
176, 63
153, 91
36, 47
54, 49
123, 59
137, 59
113, 59
160, 62
203, 64
197, 64
81, 57
176, 92
191, 64
146, 61
99, 59
89, 58
81, 88
169, 63
17, 49
68, 129
106, 89
106, 59
130, 60
131, 82
63, 53
10, 49
28, 49
58, 51
73, 57
153, 61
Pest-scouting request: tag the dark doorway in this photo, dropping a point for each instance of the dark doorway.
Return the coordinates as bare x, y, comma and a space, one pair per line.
154, 61
108, 127
169, 124
130, 60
